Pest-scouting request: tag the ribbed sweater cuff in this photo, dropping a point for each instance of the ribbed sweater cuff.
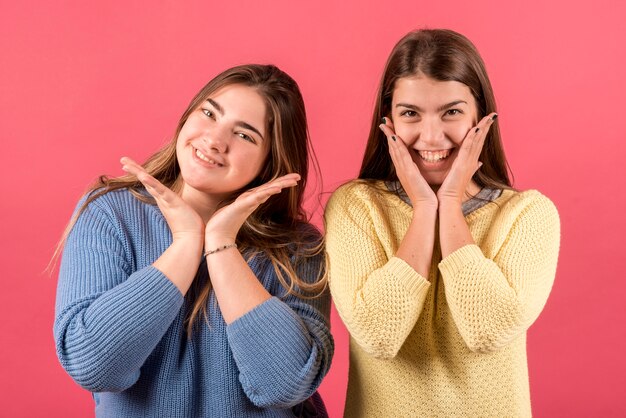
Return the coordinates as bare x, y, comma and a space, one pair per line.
266, 325
451, 265
412, 281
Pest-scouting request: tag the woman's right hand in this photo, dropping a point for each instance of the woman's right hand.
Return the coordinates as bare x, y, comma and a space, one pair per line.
416, 187
184, 222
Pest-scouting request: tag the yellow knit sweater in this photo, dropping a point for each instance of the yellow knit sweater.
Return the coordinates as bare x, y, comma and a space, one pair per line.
452, 345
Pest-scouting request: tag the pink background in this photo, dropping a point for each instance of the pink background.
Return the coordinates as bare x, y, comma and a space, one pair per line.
82, 83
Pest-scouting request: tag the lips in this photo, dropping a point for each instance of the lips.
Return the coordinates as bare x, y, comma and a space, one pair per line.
208, 159
434, 156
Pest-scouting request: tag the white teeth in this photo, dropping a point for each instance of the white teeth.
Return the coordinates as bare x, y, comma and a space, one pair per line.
202, 156
205, 158
434, 156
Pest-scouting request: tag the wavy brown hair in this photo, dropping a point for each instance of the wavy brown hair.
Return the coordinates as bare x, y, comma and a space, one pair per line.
279, 228
442, 55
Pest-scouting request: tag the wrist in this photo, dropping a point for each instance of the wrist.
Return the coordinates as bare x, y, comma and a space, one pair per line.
423, 212
191, 244
213, 250
215, 241
193, 239
450, 203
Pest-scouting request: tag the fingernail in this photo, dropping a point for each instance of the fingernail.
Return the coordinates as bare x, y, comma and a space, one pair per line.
394, 138
494, 117
384, 119
477, 129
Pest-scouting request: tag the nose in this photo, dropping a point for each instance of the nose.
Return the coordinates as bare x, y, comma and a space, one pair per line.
216, 139
430, 132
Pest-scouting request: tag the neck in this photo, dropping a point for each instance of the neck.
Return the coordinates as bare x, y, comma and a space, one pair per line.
204, 204
471, 191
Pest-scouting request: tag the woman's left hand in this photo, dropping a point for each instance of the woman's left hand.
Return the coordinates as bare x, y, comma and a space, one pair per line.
225, 223
466, 163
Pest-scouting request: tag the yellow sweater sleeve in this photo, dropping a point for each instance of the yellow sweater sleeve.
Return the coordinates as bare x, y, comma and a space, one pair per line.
495, 298
378, 296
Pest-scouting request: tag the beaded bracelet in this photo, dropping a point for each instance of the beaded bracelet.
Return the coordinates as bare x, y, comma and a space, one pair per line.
223, 247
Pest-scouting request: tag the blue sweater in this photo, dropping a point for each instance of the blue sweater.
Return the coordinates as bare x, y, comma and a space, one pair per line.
120, 330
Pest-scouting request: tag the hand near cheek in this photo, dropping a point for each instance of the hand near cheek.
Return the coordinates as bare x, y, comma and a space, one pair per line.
416, 187
184, 222
466, 163
225, 223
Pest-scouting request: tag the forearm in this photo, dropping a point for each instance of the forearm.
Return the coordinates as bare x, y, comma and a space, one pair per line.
453, 230
416, 248
487, 311
283, 349
103, 339
179, 263
236, 287
378, 294
495, 293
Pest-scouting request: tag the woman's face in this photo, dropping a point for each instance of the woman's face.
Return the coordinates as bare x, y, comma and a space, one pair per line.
432, 117
223, 144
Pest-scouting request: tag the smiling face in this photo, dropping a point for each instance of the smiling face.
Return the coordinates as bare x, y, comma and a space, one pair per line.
432, 117
223, 144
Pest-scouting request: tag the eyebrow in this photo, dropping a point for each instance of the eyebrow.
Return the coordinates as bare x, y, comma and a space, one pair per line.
241, 124
250, 127
439, 109
216, 106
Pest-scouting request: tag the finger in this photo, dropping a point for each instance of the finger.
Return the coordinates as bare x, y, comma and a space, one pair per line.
475, 138
288, 180
392, 140
156, 189
388, 131
387, 121
278, 185
483, 126
397, 147
480, 134
393, 144
291, 177
130, 166
250, 201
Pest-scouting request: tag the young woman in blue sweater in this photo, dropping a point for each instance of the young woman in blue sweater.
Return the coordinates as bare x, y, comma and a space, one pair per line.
194, 286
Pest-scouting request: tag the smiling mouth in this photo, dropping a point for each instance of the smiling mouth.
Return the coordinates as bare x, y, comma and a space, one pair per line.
434, 156
206, 159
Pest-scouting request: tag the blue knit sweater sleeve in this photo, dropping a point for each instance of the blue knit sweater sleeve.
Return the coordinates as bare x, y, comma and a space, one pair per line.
109, 317
283, 348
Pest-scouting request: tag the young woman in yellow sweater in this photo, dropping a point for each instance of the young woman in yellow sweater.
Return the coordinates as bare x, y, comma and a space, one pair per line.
437, 266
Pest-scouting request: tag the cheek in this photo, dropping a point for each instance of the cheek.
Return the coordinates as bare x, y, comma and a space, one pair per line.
249, 160
180, 145
407, 132
458, 131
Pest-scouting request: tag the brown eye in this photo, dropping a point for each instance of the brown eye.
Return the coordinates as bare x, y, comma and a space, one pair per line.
246, 137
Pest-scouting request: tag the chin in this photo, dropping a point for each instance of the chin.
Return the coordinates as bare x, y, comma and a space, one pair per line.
434, 180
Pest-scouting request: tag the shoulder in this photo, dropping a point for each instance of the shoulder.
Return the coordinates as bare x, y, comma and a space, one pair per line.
358, 190
117, 206
119, 200
528, 209
361, 195
522, 202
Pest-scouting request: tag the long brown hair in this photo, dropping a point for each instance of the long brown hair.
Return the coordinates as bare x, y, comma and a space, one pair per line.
279, 228
442, 55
